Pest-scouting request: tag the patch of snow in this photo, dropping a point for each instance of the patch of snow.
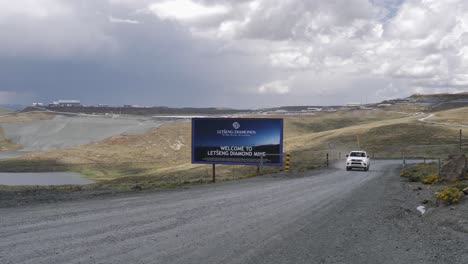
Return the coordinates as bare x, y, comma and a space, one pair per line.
425, 118
421, 209
177, 146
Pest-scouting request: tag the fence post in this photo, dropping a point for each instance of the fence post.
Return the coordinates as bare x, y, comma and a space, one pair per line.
460, 141
286, 164
438, 167
339, 156
404, 162
327, 159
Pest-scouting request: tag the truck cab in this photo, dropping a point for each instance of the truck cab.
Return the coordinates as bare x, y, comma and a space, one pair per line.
357, 159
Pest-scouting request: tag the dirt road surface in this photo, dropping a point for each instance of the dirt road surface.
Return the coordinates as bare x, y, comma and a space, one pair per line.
327, 216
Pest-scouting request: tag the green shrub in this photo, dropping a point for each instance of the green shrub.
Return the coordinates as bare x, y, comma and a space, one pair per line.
430, 179
449, 195
251, 174
460, 186
405, 174
410, 176
419, 172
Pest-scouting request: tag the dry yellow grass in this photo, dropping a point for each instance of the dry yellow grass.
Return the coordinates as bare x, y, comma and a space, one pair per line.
405, 108
162, 156
25, 117
458, 116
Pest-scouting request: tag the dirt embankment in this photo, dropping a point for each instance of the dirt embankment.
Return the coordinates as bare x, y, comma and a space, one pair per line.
41, 131
6, 143
26, 117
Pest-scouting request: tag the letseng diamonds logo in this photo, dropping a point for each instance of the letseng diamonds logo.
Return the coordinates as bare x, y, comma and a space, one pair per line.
236, 125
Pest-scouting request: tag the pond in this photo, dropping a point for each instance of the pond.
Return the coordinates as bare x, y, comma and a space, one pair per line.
42, 178
38, 178
11, 154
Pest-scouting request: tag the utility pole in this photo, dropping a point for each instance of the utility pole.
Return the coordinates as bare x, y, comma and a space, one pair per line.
461, 141
358, 143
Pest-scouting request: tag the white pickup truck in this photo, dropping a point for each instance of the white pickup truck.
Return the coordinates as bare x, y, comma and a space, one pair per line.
357, 159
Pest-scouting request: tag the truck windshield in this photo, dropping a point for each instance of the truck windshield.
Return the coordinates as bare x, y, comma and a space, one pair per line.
358, 154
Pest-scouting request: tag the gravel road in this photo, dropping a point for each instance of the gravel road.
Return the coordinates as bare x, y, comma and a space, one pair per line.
327, 216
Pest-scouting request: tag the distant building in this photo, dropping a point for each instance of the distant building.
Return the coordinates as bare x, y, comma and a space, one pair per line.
314, 109
38, 104
132, 106
66, 103
353, 106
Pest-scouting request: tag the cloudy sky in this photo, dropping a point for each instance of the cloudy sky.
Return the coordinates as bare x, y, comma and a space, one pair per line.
231, 53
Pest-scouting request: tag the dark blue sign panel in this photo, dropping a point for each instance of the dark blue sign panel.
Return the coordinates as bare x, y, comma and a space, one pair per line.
245, 141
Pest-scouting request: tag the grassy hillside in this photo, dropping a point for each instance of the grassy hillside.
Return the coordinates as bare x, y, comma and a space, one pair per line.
426, 103
457, 116
4, 111
409, 108
161, 157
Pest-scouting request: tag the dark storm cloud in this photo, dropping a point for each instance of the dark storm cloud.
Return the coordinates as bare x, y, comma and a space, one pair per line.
249, 54
154, 62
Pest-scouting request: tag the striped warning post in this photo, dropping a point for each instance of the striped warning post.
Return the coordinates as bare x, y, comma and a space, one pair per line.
286, 164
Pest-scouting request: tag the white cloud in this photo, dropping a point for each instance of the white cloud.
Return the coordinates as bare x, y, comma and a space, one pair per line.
289, 59
318, 48
38, 9
275, 87
185, 10
123, 21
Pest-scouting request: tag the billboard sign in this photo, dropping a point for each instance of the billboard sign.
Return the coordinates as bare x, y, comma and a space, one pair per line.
244, 141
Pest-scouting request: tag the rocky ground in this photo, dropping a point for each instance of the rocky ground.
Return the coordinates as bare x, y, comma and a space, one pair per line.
19, 197
454, 217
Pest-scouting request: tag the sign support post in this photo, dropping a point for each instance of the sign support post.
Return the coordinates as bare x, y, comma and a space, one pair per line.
214, 173
261, 163
461, 141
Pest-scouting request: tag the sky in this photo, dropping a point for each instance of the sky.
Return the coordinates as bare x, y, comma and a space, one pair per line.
230, 53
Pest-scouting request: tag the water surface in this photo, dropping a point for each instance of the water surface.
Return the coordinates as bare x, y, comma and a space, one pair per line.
42, 178
11, 154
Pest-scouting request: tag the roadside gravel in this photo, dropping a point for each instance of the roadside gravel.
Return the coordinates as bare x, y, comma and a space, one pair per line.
326, 216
